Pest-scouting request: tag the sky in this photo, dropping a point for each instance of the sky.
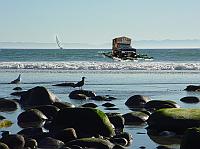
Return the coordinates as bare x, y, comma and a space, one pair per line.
98, 21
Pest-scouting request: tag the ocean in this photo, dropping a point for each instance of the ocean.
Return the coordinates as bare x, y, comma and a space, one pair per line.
163, 78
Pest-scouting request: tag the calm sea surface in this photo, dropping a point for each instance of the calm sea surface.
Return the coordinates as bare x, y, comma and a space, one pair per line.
163, 78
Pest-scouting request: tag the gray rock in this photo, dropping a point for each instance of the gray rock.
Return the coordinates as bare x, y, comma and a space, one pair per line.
81, 94
137, 101
37, 96
190, 99
14, 141
7, 105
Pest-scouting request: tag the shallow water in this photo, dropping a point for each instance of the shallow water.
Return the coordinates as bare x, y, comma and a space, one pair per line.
122, 85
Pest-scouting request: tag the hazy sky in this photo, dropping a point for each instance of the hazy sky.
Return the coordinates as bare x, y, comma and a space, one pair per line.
98, 21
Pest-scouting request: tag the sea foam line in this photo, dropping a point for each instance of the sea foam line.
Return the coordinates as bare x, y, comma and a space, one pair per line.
85, 65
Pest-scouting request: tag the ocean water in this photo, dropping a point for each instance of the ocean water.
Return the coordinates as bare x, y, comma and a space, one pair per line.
163, 78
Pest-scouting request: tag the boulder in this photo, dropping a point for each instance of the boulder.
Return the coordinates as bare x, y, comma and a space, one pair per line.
192, 88
174, 119
159, 104
31, 132
13, 141
191, 139
190, 99
137, 101
92, 143
99, 98
7, 105
37, 96
17, 88
135, 118
81, 94
84, 121
31, 143
32, 117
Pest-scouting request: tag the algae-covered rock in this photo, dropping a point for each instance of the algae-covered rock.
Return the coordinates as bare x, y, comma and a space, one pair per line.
5, 123
191, 139
92, 143
87, 121
174, 119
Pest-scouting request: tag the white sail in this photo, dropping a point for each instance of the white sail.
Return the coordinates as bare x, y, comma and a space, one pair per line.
58, 43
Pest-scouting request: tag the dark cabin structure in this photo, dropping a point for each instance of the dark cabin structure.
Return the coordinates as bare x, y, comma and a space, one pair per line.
121, 48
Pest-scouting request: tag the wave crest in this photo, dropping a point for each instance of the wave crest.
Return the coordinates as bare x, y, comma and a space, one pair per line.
85, 65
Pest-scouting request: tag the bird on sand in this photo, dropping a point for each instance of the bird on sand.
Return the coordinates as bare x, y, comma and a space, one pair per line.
80, 83
16, 81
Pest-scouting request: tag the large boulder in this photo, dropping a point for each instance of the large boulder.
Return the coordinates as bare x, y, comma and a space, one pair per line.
191, 139
174, 119
81, 94
49, 111
86, 121
137, 101
37, 96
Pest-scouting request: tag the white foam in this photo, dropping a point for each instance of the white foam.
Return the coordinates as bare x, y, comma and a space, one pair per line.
86, 65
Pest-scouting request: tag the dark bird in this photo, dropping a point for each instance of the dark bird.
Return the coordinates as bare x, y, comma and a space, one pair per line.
16, 81
80, 83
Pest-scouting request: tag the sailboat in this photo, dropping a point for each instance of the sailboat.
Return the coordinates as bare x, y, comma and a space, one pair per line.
58, 43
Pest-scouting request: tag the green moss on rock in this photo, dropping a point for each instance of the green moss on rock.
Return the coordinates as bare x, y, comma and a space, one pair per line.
174, 119
5, 123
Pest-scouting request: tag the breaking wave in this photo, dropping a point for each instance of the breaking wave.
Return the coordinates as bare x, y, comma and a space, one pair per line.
111, 66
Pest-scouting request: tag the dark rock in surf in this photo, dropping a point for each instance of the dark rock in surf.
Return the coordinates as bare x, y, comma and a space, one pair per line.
190, 99
13, 141
38, 96
17, 88
31, 132
137, 101
31, 118
84, 121
108, 104
99, 98
7, 105
50, 143
160, 104
89, 105
117, 120
191, 139
134, 118
18, 93
81, 94
92, 143
65, 84
193, 88
65, 135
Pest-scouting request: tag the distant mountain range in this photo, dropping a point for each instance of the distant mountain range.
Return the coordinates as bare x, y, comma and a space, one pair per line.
150, 44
